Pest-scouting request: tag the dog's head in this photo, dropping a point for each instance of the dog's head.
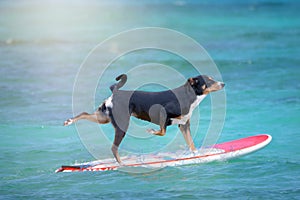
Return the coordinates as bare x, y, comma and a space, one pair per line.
204, 84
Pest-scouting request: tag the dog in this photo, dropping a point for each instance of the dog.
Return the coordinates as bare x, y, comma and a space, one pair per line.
163, 108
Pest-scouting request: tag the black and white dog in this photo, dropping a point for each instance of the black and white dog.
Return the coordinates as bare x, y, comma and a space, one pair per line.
162, 108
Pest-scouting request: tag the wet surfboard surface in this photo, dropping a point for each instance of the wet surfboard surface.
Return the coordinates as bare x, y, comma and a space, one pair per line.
219, 152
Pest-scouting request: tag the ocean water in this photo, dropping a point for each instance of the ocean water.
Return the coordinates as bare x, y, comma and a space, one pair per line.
255, 45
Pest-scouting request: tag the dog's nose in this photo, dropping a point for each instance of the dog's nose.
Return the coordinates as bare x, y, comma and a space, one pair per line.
222, 84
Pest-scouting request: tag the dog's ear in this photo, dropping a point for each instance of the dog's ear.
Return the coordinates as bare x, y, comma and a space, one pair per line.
191, 81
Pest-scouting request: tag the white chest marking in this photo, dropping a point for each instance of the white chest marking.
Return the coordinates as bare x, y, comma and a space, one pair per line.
185, 118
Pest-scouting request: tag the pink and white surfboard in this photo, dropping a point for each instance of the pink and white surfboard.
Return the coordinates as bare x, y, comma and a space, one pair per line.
219, 152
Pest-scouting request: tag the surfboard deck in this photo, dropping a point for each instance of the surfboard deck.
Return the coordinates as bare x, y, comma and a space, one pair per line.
219, 152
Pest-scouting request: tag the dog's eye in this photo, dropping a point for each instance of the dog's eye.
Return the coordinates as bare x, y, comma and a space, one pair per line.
196, 80
203, 87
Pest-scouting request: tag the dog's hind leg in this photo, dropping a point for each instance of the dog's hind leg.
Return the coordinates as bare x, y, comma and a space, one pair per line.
186, 132
120, 123
119, 135
97, 117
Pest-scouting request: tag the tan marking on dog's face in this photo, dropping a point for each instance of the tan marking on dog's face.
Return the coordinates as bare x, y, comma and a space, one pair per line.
214, 87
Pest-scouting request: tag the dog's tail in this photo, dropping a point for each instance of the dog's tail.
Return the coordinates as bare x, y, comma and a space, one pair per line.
123, 78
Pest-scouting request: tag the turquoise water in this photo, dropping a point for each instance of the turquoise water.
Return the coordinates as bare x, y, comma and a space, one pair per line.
255, 45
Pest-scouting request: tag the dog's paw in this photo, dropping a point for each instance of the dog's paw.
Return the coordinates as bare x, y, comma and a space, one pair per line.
68, 122
195, 152
151, 131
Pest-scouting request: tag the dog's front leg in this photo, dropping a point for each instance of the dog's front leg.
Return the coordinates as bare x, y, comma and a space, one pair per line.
186, 132
160, 132
161, 117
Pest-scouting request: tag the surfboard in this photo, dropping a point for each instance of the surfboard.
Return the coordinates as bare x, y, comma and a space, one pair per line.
219, 152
